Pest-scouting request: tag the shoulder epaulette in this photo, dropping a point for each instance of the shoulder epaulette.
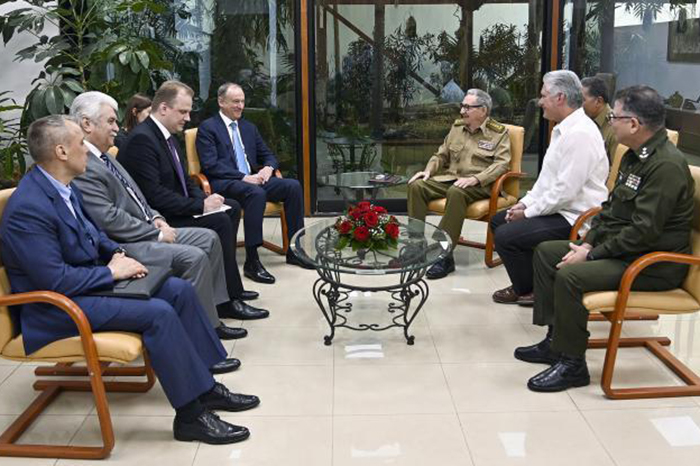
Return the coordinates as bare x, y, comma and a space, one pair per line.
493, 125
458, 122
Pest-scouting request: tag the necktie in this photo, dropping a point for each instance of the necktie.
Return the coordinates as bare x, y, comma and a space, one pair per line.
147, 213
89, 229
238, 149
178, 165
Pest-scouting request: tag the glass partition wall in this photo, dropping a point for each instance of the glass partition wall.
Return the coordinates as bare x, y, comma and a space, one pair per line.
390, 75
648, 42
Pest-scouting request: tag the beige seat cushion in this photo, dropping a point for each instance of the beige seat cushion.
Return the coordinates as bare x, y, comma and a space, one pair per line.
120, 347
475, 210
271, 209
675, 301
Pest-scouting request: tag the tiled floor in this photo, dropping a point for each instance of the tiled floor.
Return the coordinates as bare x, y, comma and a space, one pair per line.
455, 398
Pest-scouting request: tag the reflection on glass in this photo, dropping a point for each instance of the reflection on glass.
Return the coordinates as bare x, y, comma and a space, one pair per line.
391, 77
642, 42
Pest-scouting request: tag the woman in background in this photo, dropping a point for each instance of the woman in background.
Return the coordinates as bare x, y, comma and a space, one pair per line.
137, 109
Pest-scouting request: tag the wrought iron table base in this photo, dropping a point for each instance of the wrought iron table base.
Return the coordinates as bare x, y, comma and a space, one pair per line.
411, 289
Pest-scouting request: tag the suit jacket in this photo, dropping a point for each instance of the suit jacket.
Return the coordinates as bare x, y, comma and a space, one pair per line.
44, 247
115, 211
146, 156
216, 154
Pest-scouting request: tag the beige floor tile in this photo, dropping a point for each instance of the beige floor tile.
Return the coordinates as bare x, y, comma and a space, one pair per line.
629, 372
403, 440
6, 371
642, 437
683, 333
387, 389
478, 343
462, 308
297, 310
279, 345
139, 440
9, 362
16, 393
390, 347
285, 390
500, 387
152, 403
540, 439
46, 430
297, 441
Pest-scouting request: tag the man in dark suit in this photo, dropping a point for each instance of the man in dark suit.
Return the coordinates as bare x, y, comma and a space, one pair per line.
119, 208
50, 243
152, 157
239, 165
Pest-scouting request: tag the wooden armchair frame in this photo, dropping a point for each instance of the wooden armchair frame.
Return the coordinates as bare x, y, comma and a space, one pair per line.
50, 389
272, 209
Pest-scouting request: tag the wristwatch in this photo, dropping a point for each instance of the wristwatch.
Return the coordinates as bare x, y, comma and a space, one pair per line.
119, 250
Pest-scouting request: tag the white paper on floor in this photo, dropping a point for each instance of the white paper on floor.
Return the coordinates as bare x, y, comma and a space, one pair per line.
370, 351
235, 454
385, 451
463, 290
513, 443
679, 431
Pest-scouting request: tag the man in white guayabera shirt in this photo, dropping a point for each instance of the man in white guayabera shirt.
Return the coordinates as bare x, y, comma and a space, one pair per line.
572, 180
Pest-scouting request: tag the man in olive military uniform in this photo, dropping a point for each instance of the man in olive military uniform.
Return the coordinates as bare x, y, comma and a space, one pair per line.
475, 153
650, 209
596, 105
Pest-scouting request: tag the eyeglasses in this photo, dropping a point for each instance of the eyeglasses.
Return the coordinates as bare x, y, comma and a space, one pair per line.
612, 116
468, 107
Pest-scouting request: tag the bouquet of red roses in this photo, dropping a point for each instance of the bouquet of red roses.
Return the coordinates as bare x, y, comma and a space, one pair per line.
367, 226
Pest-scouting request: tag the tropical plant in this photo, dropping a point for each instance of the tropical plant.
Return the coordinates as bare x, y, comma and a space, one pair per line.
12, 145
119, 47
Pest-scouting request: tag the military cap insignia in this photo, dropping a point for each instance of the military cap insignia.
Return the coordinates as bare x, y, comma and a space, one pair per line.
486, 145
633, 181
495, 126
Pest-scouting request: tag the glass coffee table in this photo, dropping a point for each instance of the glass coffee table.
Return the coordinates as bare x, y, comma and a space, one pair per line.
359, 185
420, 245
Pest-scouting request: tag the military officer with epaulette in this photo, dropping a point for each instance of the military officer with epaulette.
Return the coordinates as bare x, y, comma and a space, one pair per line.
475, 153
650, 209
596, 105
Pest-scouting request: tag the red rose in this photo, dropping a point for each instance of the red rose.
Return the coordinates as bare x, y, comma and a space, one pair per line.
355, 213
364, 205
371, 219
361, 234
380, 210
344, 227
392, 230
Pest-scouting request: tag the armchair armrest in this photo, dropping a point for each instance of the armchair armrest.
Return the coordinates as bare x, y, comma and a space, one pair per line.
636, 267
68, 306
202, 182
497, 187
592, 212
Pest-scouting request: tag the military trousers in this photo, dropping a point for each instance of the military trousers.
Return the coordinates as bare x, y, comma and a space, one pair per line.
421, 192
559, 292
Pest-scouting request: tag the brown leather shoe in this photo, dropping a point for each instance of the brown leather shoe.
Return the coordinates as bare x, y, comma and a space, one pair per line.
505, 296
527, 300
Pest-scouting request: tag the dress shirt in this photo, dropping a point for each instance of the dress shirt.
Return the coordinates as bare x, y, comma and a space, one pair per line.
227, 122
64, 191
574, 171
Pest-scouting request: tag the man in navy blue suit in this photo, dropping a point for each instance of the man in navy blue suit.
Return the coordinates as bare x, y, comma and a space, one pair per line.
50, 243
239, 165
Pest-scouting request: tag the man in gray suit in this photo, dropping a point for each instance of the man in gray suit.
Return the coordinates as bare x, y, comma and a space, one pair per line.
117, 205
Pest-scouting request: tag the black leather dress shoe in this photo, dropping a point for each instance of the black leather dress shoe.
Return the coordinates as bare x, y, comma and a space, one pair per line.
540, 352
248, 295
220, 398
568, 372
237, 309
230, 333
441, 268
292, 259
208, 428
256, 272
225, 366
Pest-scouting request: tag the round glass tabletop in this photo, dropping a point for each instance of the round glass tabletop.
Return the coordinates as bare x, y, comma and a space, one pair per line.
420, 245
361, 180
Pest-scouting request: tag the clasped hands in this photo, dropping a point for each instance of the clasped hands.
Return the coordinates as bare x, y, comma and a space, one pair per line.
577, 253
261, 177
123, 267
465, 182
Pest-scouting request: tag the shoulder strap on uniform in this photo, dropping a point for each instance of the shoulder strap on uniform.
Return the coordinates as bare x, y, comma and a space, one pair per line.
493, 125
